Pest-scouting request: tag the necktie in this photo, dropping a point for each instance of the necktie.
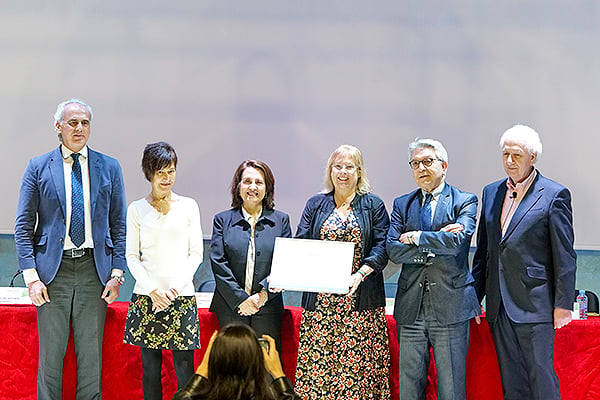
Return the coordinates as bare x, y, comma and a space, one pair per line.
77, 227
250, 260
426, 213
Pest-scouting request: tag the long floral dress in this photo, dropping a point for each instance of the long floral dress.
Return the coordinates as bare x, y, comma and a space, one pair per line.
343, 353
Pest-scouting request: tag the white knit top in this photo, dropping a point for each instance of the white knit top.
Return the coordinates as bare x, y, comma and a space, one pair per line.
164, 251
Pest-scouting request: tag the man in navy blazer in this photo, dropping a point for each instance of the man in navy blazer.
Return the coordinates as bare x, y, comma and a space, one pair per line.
525, 267
70, 240
430, 234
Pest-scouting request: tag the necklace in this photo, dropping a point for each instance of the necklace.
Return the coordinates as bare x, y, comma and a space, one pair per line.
346, 202
161, 204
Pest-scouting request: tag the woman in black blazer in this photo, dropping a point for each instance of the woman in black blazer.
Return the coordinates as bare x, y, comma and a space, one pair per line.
241, 250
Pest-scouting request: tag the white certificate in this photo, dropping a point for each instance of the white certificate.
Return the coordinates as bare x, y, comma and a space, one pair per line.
312, 265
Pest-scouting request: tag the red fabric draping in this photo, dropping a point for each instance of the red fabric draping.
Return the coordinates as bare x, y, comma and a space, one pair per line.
576, 358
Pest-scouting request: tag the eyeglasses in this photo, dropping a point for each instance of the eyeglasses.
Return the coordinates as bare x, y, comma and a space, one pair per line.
348, 167
428, 162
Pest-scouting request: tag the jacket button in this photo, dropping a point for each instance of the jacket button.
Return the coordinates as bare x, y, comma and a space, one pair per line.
258, 253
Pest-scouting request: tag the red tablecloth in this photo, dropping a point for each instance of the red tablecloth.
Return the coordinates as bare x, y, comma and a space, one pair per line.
577, 358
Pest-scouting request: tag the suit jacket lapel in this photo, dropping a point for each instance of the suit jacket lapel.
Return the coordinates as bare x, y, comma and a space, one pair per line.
413, 222
57, 171
496, 209
533, 194
95, 168
441, 209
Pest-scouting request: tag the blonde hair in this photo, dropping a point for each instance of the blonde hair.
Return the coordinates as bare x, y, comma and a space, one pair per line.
362, 185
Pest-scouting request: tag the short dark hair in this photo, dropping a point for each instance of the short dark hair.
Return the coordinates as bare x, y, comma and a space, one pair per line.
269, 200
156, 157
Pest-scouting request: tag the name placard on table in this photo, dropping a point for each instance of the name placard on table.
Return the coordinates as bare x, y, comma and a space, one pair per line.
308, 265
14, 295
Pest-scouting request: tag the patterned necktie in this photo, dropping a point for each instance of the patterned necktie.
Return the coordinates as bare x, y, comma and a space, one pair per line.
426, 213
77, 227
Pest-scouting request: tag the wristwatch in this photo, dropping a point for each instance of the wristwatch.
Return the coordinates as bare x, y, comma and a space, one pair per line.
119, 278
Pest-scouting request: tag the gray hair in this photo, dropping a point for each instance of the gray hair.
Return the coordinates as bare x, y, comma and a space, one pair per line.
362, 186
525, 134
437, 147
60, 110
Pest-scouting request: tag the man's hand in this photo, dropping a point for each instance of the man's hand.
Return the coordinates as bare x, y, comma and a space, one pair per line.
111, 291
562, 317
38, 293
407, 238
478, 320
452, 228
249, 306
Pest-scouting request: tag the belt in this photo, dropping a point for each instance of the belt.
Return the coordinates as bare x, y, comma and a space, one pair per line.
76, 253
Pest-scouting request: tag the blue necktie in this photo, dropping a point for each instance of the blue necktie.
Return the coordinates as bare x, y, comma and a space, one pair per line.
77, 227
426, 213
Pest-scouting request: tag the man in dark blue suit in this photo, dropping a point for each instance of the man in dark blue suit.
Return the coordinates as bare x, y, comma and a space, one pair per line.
70, 239
430, 234
525, 266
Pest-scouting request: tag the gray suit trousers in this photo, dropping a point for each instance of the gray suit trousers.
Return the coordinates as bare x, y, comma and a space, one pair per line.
75, 299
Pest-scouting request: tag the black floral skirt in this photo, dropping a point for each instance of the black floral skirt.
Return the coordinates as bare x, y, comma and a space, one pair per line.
174, 328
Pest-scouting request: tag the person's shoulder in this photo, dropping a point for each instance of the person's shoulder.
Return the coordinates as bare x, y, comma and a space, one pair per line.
279, 214
372, 199
43, 158
108, 160
461, 194
185, 200
226, 214
317, 199
138, 202
550, 184
495, 184
406, 196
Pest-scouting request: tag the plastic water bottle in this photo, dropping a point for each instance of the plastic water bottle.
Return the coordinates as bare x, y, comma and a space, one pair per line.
582, 302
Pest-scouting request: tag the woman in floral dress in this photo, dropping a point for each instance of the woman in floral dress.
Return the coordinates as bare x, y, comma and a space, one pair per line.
344, 352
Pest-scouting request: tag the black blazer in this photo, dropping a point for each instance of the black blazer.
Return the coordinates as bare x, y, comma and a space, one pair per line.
374, 223
228, 253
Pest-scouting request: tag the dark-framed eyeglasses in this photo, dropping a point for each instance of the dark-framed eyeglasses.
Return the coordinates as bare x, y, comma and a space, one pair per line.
428, 162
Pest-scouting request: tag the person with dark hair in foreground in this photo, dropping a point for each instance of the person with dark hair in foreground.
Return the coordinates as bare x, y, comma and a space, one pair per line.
233, 368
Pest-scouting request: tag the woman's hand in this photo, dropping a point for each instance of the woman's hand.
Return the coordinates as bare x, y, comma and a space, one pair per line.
272, 361
161, 299
355, 280
249, 306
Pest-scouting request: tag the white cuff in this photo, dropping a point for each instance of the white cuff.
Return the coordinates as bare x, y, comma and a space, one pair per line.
30, 275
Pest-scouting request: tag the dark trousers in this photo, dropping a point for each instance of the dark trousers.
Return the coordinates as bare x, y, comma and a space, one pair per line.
263, 324
450, 344
525, 355
75, 299
183, 360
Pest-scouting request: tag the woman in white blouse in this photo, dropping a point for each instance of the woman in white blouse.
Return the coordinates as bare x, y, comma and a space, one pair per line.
164, 250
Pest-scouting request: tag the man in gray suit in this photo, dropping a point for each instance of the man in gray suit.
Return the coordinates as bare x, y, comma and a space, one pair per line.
70, 239
429, 235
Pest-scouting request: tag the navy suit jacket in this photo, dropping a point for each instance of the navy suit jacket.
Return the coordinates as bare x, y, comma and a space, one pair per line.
452, 291
532, 268
229, 251
40, 226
